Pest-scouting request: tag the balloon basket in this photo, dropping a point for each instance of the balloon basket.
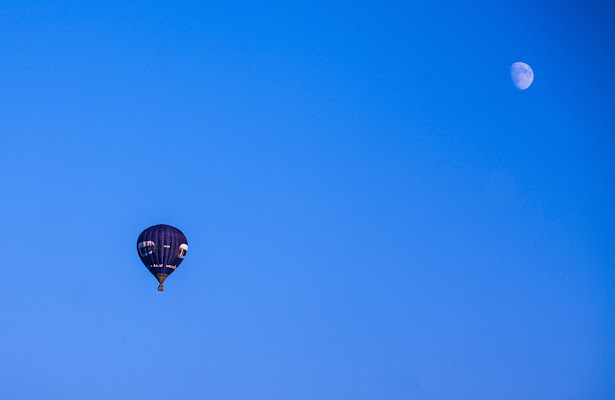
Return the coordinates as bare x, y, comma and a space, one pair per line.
160, 288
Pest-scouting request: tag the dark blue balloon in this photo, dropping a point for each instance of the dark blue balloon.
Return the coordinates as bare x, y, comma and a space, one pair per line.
162, 248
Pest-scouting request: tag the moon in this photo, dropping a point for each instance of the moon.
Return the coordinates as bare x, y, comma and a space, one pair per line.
522, 75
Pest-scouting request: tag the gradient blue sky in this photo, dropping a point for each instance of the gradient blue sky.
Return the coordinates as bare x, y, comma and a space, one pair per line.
374, 211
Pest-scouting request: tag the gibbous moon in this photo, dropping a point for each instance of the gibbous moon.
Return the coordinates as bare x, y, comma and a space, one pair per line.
522, 75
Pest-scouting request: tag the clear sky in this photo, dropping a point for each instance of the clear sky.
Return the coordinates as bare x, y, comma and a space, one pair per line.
373, 210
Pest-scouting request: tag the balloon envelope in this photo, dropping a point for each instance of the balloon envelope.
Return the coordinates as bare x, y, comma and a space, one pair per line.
162, 248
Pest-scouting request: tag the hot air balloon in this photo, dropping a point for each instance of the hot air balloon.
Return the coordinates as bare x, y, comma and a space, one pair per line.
162, 248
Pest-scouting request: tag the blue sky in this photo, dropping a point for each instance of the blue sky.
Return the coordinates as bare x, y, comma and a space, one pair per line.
373, 210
